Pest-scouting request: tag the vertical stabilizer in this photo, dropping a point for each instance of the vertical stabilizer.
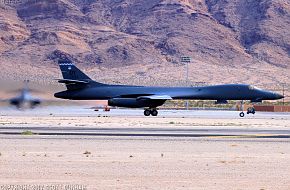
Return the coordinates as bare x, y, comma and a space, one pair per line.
73, 77
70, 71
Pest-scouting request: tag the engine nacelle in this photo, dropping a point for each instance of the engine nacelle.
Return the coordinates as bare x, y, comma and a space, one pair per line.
135, 103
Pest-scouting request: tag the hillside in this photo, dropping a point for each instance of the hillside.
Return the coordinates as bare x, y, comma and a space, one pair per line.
141, 42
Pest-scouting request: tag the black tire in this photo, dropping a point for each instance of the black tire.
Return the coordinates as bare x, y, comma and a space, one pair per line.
242, 114
147, 112
154, 112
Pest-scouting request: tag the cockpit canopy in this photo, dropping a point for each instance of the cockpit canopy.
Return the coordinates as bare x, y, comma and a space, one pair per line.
252, 87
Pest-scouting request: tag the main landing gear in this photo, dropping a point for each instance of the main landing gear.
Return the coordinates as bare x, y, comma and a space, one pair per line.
151, 111
242, 114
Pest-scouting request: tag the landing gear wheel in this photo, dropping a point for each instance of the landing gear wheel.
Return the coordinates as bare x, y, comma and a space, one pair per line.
242, 114
154, 112
147, 112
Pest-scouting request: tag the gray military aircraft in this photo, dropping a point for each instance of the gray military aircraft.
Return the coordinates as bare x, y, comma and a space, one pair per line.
24, 99
81, 87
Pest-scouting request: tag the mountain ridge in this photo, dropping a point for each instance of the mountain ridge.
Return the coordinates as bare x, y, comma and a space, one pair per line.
230, 41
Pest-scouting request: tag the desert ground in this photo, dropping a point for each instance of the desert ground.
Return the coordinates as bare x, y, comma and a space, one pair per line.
59, 146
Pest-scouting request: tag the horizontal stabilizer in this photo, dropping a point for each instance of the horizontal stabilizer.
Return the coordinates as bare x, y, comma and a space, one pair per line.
155, 97
69, 81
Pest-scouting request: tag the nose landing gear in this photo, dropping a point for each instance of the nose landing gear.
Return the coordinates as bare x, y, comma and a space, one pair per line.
151, 111
242, 114
249, 110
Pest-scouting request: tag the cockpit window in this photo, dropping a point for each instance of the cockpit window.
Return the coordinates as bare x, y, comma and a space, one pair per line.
251, 87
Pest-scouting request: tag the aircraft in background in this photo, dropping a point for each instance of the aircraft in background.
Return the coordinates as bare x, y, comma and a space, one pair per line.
81, 87
24, 99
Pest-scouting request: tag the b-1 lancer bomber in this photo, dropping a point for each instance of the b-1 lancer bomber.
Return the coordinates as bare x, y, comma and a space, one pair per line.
81, 87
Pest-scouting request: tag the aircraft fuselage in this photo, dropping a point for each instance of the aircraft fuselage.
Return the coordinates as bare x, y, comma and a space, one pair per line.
217, 92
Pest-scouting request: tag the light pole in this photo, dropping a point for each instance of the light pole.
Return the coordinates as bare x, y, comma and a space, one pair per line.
283, 94
187, 60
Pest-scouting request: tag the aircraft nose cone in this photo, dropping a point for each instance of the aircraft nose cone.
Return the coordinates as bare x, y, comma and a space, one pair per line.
279, 96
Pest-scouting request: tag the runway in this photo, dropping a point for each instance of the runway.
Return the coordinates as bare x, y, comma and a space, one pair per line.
81, 121
148, 132
86, 111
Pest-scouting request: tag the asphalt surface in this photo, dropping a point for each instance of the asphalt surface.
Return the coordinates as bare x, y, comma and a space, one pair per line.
148, 132
170, 131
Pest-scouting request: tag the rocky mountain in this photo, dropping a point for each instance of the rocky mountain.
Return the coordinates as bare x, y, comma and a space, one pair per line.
141, 41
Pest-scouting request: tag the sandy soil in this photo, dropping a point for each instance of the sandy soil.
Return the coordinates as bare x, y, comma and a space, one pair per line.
150, 163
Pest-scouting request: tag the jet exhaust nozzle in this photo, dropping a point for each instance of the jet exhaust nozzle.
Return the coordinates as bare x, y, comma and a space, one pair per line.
62, 95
